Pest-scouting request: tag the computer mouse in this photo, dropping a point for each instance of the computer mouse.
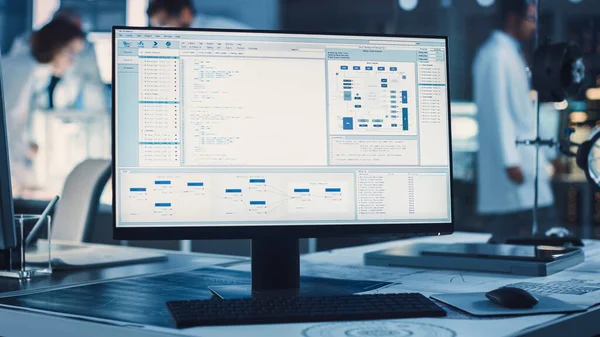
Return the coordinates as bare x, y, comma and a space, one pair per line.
513, 298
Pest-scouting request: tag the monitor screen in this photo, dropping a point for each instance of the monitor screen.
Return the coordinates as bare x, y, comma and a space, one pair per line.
242, 129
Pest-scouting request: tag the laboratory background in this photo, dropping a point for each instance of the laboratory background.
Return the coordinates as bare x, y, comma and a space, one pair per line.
68, 117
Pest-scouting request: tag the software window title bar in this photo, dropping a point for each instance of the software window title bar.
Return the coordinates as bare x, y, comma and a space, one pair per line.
276, 36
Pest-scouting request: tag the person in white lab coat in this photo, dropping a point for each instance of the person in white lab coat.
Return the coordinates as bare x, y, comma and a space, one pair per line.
506, 113
81, 87
29, 80
182, 14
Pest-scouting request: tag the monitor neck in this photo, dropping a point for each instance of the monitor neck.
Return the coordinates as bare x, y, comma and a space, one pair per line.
9, 259
275, 264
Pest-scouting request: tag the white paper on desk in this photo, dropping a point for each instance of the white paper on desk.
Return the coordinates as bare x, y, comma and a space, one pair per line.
569, 286
589, 266
591, 248
428, 281
592, 259
422, 327
407, 279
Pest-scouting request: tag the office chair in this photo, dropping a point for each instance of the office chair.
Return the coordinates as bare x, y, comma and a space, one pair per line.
80, 199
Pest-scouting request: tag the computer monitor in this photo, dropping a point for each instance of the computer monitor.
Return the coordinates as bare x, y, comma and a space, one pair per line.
8, 237
276, 136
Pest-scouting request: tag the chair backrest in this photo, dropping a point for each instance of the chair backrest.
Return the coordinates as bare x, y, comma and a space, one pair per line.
80, 200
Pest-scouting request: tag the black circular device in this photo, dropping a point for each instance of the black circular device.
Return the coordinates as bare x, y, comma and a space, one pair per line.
588, 158
557, 71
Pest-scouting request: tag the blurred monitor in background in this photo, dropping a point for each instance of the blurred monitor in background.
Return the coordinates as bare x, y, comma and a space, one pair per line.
80, 88
183, 14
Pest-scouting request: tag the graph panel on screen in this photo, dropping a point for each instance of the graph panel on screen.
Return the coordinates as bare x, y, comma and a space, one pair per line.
257, 129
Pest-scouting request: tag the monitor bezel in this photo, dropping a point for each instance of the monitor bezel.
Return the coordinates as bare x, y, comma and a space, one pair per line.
8, 231
265, 231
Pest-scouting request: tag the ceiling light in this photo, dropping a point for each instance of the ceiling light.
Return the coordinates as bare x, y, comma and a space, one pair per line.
485, 3
408, 5
561, 105
578, 117
593, 94
464, 128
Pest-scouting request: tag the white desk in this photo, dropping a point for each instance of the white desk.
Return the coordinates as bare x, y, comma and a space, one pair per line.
581, 324
21, 323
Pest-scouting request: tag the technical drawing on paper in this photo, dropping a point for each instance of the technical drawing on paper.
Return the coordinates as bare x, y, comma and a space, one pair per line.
397, 328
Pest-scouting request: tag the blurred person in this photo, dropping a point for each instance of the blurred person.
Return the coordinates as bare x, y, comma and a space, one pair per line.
32, 78
506, 112
81, 87
182, 14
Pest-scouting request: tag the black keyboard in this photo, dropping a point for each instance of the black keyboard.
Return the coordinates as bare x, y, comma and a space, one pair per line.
301, 309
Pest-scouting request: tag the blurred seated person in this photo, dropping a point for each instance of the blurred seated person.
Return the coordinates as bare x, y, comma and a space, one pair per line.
81, 87
29, 82
182, 14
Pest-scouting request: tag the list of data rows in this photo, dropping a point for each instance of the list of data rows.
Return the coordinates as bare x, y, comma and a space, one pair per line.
159, 111
158, 79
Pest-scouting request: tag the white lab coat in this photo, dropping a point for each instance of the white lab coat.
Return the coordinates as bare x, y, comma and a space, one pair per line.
81, 85
506, 113
217, 22
24, 80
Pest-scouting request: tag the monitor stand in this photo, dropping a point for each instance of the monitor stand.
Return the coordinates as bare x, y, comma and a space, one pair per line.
275, 271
